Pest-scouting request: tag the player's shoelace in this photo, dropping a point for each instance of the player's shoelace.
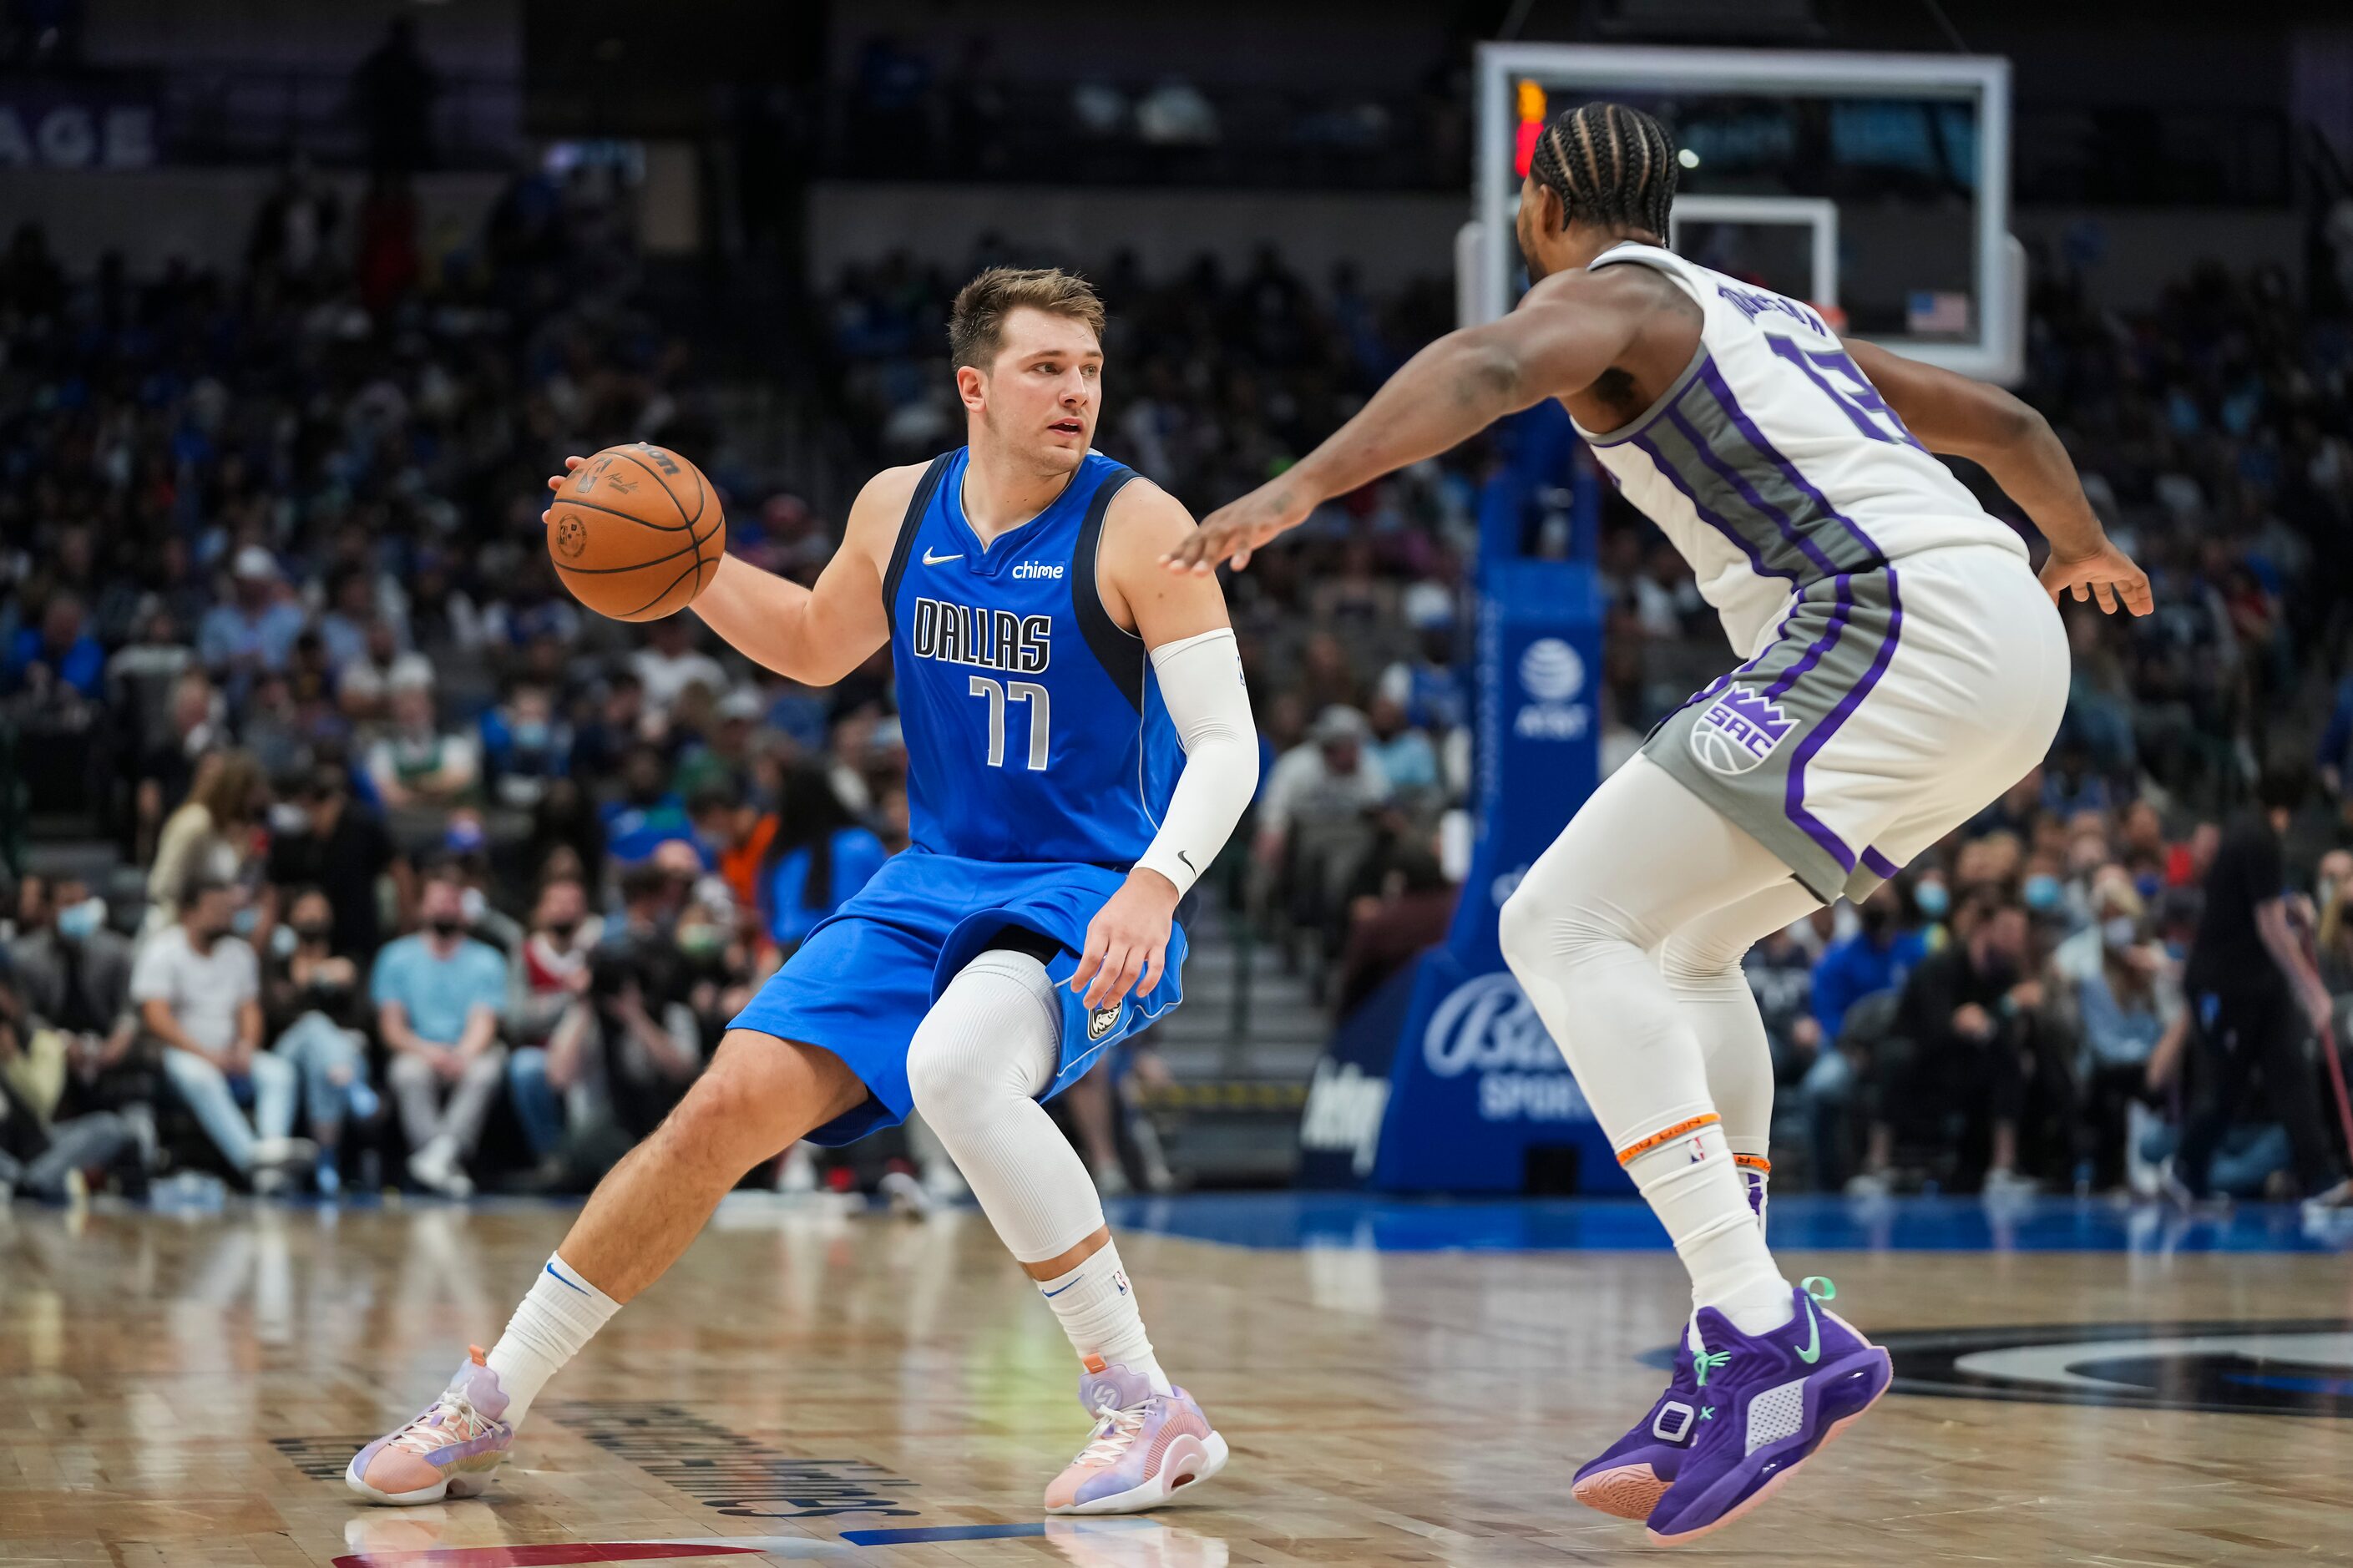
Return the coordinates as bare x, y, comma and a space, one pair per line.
1115, 1432
453, 1419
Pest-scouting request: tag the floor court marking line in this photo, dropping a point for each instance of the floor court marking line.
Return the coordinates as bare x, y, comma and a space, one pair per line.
564, 1551
991, 1531
794, 1547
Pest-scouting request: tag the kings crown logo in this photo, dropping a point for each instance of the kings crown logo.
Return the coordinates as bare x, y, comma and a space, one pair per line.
1738, 731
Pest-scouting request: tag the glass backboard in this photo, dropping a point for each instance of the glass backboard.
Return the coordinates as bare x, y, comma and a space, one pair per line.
1875, 186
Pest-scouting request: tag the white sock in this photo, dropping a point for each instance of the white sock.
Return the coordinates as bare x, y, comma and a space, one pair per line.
1098, 1310
1691, 1185
555, 1317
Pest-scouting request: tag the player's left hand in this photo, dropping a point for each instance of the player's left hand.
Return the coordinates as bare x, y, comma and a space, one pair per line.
2106, 572
1127, 941
1233, 531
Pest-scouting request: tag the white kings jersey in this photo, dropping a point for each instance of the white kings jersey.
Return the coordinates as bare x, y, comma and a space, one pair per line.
1772, 462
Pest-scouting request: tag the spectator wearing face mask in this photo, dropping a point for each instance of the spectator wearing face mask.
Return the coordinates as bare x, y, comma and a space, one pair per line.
199, 993
525, 744
74, 974
328, 840
1957, 1046
623, 1060
551, 982
2125, 999
648, 813
312, 996
438, 996
1877, 956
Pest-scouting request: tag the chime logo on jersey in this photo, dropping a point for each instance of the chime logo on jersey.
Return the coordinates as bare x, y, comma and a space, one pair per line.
993, 639
1738, 731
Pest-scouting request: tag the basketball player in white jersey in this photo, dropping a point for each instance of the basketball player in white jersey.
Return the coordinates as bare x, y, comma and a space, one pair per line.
1901, 667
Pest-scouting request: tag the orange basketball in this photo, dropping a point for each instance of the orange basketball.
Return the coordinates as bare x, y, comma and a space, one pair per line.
636, 533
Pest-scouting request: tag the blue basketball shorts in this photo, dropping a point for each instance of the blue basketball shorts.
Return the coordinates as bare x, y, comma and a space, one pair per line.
867, 975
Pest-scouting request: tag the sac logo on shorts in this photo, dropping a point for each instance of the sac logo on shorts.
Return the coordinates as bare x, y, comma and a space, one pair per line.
1738, 731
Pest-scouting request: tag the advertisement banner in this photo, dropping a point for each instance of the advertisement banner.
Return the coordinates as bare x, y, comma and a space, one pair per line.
93, 121
1448, 1066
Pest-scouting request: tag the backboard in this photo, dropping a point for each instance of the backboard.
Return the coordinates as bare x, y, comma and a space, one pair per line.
1875, 186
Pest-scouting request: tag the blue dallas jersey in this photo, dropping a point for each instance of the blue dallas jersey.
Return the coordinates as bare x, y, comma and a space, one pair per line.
1034, 727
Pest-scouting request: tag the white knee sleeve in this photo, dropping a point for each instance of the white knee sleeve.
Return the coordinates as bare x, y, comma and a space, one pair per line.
988, 1047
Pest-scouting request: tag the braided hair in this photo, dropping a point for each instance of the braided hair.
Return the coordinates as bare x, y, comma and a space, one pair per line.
1609, 166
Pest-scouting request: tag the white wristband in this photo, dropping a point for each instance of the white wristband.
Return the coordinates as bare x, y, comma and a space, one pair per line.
1201, 684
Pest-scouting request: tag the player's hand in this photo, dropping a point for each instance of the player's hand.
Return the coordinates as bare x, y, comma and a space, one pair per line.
555, 482
1233, 531
2106, 572
1127, 941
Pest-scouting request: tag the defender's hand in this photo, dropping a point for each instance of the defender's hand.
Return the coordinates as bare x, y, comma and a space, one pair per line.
1128, 938
2106, 572
555, 482
1233, 531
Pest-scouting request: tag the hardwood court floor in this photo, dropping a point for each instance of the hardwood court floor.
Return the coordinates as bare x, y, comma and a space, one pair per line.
184, 1390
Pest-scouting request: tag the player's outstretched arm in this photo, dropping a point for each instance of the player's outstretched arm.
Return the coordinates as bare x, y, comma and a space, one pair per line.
1182, 624
1567, 331
2012, 441
814, 635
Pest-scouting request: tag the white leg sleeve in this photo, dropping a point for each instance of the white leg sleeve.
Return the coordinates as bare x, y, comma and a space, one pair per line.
1645, 860
979, 1059
1701, 964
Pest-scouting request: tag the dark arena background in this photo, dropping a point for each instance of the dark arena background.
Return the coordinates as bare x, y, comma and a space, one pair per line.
301, 302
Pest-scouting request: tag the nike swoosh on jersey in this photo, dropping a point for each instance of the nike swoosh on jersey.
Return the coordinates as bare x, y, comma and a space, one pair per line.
931, 559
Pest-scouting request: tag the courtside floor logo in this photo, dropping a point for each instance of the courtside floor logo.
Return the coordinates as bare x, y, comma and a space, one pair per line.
2294, 1368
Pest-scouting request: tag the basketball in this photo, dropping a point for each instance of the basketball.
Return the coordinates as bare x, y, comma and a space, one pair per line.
636, 533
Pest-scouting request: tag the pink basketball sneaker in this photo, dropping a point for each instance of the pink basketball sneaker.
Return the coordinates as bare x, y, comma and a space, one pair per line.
1144, 1447
446, 1451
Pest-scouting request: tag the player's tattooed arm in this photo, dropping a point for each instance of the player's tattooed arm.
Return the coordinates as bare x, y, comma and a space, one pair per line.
816, 636
1569, 329
2013, 442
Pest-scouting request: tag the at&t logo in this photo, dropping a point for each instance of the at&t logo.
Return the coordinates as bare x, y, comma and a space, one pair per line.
1551, 674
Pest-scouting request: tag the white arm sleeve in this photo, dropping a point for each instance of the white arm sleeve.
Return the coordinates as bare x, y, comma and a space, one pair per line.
1201, 682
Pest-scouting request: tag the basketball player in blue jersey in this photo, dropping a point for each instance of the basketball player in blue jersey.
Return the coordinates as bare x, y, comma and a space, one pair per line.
1901, 667
1080, 744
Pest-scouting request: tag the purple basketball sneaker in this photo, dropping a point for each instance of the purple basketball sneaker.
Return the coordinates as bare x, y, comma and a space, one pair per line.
1768, 1402
446, 1451
1631, 1474
1629, 1477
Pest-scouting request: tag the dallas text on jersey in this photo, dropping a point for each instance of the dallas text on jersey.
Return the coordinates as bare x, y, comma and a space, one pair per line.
993, 639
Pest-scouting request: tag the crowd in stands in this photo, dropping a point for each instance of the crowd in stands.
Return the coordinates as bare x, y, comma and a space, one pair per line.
432, 866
